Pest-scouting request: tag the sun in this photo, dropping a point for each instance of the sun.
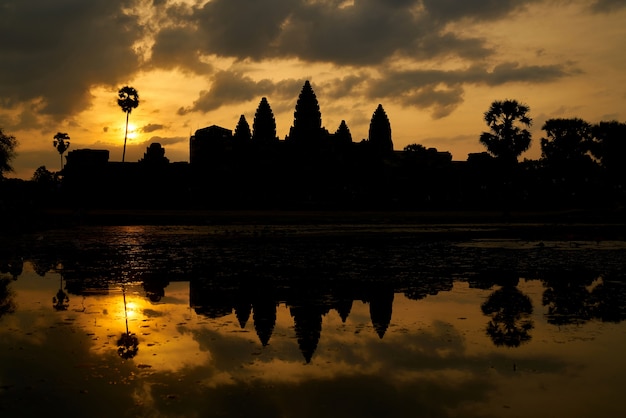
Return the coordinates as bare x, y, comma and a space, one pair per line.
132, 131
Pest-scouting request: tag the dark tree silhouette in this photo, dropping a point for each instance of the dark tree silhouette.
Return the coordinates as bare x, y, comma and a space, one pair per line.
8, 143
61, 143
567, 141
568, 297
128, 343
566, 159
307, 118
7, 305
509, 137
415, 148
610, 138
610, 148
509, 310
380, 131
43, 176
264, 125
242, 134
61, 301
127, 101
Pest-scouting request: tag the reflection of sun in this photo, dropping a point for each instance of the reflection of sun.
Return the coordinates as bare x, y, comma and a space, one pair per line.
131, 308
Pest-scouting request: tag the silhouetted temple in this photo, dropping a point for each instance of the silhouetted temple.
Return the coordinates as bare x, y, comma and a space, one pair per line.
314, 168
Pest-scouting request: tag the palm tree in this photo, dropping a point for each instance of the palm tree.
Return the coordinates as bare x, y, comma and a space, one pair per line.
61, 143
509, 137
128, 100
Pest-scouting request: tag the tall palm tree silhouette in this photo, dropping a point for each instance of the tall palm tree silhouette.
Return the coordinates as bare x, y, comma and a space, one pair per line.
508, 121
61, 143
128, 100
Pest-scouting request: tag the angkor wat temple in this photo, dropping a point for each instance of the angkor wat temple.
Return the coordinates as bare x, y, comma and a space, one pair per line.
312, 167
252, 167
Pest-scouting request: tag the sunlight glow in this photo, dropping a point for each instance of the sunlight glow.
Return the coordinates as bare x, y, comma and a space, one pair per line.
132, 131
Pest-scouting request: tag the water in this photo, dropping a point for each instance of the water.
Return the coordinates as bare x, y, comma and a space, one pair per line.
286, 321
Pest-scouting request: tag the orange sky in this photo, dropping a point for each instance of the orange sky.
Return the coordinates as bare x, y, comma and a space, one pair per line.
434, 65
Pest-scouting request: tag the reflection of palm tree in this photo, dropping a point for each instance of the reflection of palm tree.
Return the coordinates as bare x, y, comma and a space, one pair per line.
128, 100
509, 309
61, 301
6, 297
610, 300
568, 299
128, 344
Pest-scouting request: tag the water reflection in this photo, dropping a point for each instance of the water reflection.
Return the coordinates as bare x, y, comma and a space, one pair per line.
61, 300
240, 323
128, 344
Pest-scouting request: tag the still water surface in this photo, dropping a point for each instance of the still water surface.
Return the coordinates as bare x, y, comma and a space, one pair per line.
311, 322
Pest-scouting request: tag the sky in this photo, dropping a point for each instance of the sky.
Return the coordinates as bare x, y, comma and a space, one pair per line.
434, 65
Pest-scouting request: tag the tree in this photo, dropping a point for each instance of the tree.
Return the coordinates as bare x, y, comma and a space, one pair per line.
128, 100
380, 131
415, 148
8, 143
610, 145
264, 125
43, 176
567, 141
61, 143
510, 311
509, 137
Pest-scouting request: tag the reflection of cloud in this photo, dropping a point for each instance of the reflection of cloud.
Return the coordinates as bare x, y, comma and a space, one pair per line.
438, 368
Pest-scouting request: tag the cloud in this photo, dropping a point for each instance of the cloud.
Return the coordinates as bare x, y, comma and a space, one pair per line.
165, 140
54, 52
367, 32
448, 10
178, 47
607, 6
233, 87
151, 127
442, 91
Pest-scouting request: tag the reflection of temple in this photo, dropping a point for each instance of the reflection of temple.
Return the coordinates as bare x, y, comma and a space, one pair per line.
250, 276
307, 307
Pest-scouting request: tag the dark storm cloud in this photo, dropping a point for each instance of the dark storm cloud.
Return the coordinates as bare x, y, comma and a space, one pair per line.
606, 6
55, 51
447, 10
366, 33
151, 127
164, 140
232, 87
241, 28
178, 47
442, 91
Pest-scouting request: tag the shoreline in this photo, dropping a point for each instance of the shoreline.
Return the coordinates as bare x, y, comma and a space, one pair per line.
329, 217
